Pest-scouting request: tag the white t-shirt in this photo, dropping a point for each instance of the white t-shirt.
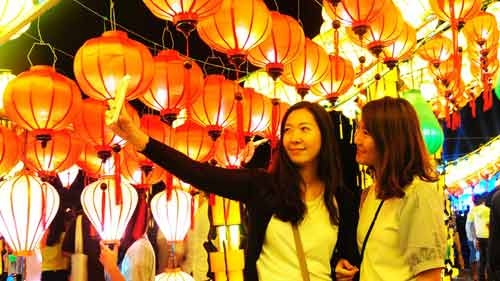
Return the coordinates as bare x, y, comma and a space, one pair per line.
278, 259
408, 236
481, 219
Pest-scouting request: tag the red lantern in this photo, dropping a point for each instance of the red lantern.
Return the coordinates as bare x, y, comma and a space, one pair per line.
357, 14
338, 79
256, 112
42, 100
227, 150
92, 164
102, 62
215, 109
10, 150
138, 170
281, 47
168, 92
183, 13
91, 126
59, 154
308, 69
383, 31
236, 28
436, 50
459, 10
193, 140
402, 48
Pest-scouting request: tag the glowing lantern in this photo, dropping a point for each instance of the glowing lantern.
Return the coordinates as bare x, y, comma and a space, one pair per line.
281, 47
308, 69
256, 112
401, 48
436, 50
99, 204
357, 14
102, 62
140, 171
93, 164
58, 155
91, 126
236, 28
420, 11
483, 30
183, 13
227, 151
193, 140
383, 30
459, 10
42, 100
168, 90
5, 77
172, 215
174, 275
338, 79
431, 130
11, 10
29, 207
10, 150
215, 109
68, 176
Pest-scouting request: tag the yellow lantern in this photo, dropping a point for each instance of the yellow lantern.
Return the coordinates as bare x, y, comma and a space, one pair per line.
10, 10
173, 215
29, 206
100, 205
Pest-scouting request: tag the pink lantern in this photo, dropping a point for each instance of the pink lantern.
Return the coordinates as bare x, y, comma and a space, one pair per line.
173, 215
100, 205
29, 206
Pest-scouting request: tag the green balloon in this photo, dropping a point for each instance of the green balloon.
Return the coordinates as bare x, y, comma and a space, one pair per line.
431, 130
497, 88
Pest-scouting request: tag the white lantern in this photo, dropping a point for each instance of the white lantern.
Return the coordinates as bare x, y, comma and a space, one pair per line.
174, 275
27, 208
173, 216
99, 204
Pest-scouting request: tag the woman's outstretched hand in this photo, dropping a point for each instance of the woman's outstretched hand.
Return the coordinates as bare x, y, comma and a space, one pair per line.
117, 118
345, 271
108, 259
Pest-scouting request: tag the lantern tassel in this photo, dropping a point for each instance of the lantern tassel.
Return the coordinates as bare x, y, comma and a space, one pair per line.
472, 105
192, 212
103, 207
118, 179
169, 186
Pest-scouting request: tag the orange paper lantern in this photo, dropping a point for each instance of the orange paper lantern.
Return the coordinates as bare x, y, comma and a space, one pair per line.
193, 140
103, 61
459, 10
338, 79
42, 100
402, 47
10, 150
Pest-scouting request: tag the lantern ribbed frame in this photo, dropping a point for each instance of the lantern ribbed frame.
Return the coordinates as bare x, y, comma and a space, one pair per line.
29, 207
436, 50
463, 9
256, 112
263, 84
112, 225
5, 77
237, 27
193, 140
138, 170
402, 47
215, 108
178, 11
60, 153
42, 100
101, 63
174, 275
308, 69
338, 79
167, 92
357, 14
10, 150
281, 47
173, 215
93, 166
482, 31
227, 150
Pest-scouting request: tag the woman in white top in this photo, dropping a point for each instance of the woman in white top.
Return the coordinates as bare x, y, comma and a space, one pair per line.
404, 205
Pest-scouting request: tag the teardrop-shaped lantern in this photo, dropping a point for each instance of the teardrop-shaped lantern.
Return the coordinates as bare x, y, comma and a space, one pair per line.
42, 100
172, 215
99, 204
29, 206
102, 62
174, 275
237, 27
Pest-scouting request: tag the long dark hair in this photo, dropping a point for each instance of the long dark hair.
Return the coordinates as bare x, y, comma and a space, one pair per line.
287, 176
394, 126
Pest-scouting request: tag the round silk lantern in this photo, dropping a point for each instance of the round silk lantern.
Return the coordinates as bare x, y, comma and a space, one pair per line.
28, 208
10, 150
5, 77
431, 130
174, 275
99, 204
102, 62
42, 100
